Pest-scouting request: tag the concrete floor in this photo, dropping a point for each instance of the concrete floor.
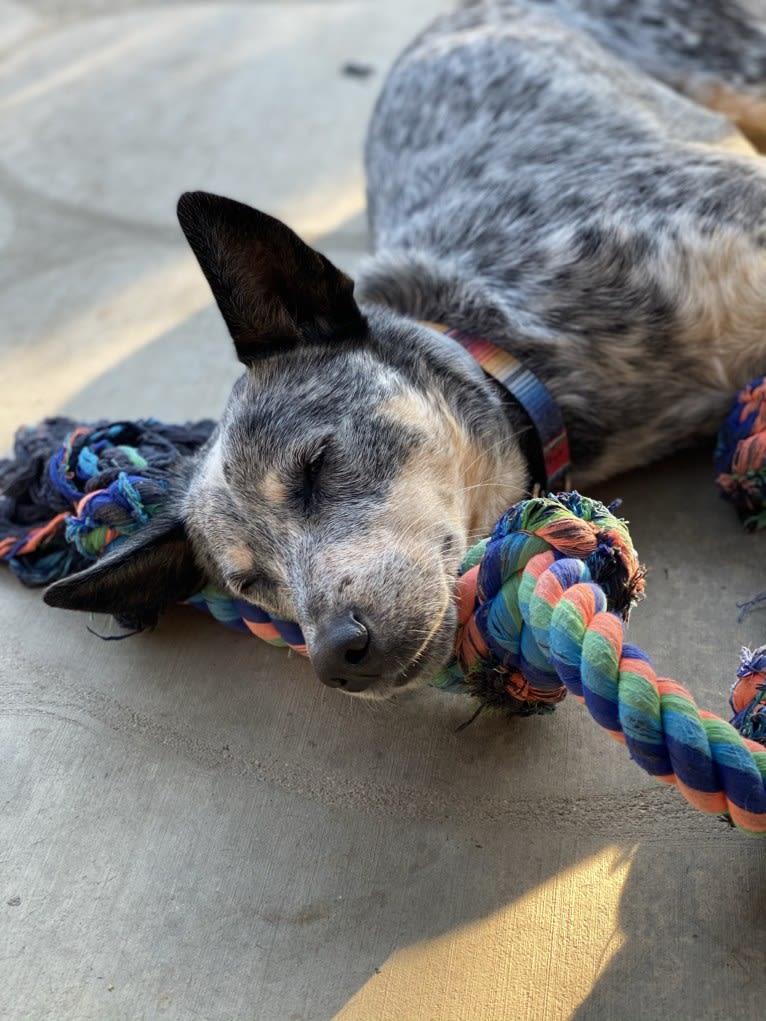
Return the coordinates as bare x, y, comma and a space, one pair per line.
192, 827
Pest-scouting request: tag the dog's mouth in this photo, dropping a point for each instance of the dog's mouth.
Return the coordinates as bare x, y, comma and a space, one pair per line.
434, 652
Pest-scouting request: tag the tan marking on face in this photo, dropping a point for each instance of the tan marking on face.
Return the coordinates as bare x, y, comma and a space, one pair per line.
493, 480
450, 478
239, 559
273, 488
412, 409
737, 143
429, 486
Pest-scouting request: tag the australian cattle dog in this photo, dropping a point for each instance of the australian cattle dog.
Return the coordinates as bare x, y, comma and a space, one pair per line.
574, 182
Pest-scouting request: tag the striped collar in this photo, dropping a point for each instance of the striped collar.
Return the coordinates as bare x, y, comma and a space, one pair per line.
533, 397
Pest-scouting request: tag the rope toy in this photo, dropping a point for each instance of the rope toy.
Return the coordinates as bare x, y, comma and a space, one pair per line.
715, 768
71, 490
542, 603
748, 695
740, 467
498, 657
740, 455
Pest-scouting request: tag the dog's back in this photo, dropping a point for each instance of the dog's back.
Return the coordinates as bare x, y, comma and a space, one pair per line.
543, 192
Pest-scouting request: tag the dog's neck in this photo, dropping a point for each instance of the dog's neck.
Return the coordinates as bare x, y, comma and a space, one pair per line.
544, 443
435, 294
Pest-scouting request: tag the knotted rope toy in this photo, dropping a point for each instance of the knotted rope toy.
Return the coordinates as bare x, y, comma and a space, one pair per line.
542, 602
71, 490
740, 467
739, 460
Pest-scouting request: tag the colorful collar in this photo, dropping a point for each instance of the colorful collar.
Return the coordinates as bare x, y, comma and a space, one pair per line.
533, 397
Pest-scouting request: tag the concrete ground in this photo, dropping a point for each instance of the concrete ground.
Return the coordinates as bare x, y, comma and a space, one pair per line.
192, 827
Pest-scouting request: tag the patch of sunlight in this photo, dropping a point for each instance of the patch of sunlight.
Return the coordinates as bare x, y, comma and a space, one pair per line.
538, 957
76, 69
123, 321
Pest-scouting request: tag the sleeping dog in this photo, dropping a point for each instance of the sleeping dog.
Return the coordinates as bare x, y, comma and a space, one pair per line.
542, 176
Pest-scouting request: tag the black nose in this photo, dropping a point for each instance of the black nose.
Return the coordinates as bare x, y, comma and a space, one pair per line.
342, 652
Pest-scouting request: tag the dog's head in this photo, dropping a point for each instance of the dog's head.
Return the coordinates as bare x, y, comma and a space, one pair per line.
345, 479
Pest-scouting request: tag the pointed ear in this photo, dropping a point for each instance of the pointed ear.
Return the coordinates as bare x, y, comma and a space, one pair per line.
135, 583
271, 288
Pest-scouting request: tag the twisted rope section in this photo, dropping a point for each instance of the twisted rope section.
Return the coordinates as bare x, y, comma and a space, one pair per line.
543, 604
740, 464
716, 769
242, 616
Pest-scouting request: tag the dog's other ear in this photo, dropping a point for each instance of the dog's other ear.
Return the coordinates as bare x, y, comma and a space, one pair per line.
271, 288
144, 575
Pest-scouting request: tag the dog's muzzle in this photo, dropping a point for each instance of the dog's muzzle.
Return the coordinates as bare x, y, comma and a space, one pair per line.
344, 653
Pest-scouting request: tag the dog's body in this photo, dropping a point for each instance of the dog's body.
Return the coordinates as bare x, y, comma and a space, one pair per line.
528, 185
569, 208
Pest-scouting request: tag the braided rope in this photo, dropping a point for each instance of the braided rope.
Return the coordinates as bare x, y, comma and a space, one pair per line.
248, 618
574, 630
748, 695
714, 767
740, 466
71, 491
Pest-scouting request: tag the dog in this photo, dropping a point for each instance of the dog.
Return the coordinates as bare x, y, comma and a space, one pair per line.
569, 181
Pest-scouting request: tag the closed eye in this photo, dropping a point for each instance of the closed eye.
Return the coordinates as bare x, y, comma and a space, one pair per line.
311, 471
251, 581
311, 464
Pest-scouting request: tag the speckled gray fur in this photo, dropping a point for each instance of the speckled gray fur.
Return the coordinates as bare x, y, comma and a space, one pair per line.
527, 185
679, 42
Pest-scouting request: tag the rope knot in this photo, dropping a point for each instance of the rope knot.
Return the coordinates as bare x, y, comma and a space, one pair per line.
740, 455
748, 695
503, 659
